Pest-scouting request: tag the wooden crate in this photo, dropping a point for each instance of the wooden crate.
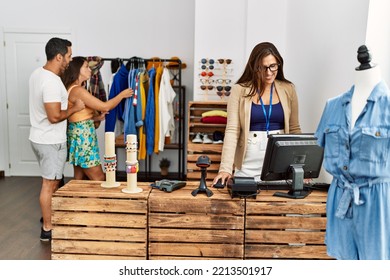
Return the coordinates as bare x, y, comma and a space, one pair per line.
91, 222
194, 150
284, 228
182, 226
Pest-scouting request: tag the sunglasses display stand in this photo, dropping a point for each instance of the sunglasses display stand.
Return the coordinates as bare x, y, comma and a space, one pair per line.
214, 78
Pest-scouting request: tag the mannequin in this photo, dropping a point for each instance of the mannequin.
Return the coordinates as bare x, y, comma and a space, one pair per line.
358, 200
367, 76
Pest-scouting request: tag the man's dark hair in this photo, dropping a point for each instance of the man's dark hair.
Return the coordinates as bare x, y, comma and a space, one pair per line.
56, 46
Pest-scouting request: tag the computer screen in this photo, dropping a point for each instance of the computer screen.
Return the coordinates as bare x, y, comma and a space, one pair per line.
292, 156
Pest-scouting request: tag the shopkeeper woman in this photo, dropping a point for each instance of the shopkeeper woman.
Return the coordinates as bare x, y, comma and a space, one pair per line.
262, 102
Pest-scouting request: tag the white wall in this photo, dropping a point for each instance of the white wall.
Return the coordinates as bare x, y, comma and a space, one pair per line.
317, 38
378, 33
220, 32
120, 28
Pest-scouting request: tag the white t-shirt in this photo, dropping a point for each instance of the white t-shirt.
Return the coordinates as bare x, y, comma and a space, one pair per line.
46, 87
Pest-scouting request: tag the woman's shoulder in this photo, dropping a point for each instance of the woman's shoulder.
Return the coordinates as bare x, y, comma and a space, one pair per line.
241, 89
287, 87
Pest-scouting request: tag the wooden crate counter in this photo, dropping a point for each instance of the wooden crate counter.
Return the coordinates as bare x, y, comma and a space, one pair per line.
91, 222
286, 228
182, 226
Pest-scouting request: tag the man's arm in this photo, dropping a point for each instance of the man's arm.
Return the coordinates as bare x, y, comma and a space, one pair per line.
55, 114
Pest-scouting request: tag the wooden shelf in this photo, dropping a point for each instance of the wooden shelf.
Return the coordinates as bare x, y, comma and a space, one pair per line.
194, 150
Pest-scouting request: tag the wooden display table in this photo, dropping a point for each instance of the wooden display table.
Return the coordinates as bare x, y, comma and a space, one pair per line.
91, 222
182, 226
284, 228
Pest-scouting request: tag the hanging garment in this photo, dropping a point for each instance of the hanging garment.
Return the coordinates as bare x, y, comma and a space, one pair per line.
159, 72
150, 113
130, 106
119, 84
358, 203
143, 86
166, 97
96, 85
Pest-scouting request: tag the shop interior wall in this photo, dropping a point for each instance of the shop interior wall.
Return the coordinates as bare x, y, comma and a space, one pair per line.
120, 28
318, 39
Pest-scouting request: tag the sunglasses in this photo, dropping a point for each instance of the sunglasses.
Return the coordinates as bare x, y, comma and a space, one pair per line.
206, 81
225, 88
223, 61
223, 93
204, 74
209, 87
205, 61
224, 81
205, 67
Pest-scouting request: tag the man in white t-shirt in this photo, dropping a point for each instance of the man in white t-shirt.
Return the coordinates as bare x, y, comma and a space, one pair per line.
48, 103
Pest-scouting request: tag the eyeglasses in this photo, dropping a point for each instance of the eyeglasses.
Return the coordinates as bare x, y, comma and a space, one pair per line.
204, 67
206, 81
205, 61
273, 68
223, 61
225, 88
224, 81
204, 74
209, 87
223, 93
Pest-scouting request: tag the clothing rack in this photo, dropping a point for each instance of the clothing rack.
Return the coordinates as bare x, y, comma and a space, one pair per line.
176, 71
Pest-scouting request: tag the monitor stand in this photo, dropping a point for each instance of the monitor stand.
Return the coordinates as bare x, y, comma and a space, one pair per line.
297, 190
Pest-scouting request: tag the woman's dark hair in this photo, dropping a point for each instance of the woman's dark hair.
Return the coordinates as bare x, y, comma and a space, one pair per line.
252, 77
72, 73
56, 46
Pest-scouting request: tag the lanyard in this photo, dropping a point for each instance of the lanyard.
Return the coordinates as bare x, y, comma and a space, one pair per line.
267, 119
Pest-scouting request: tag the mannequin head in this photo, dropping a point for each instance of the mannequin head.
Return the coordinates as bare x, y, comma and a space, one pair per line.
364, 57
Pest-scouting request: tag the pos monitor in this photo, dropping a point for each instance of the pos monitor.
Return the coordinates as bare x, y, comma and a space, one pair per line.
292, 156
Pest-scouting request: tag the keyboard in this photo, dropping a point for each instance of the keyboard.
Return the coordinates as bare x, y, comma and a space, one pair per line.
283, 185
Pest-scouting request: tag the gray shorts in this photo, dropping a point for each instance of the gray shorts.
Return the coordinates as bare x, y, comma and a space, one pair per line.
51, 159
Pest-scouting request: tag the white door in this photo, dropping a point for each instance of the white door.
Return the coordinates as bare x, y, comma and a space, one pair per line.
24, 52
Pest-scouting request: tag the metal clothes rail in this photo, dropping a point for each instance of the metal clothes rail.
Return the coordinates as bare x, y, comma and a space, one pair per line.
176, 71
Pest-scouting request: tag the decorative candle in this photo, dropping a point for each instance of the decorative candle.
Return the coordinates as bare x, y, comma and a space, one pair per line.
110, 161
131, 164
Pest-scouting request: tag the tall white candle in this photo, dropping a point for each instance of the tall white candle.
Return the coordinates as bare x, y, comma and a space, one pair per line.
109, 139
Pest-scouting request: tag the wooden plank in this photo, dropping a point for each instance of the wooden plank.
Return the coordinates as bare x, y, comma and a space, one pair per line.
212, 157
195, 205
85, 188
196, 235
55, 256
287, 237
190, 258
192, 166
99, 219
198, 221
285, 252
283, 222
196, 175
276, 208
203, 148
196, 250
99, 205
268, 196
101, 234
99, 248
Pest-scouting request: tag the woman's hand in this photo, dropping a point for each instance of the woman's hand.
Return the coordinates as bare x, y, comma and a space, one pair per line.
127, 93
224, 176
100, 117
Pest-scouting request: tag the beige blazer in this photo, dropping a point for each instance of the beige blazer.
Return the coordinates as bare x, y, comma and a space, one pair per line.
238, 121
